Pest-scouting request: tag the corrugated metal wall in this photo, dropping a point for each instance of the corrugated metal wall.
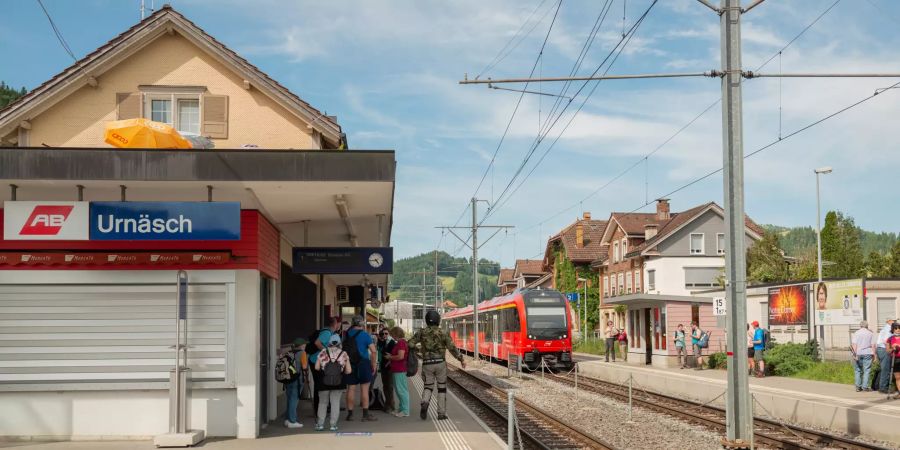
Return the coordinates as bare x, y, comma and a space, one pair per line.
107, 332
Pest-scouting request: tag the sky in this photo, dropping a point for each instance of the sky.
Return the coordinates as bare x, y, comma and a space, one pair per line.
390, 69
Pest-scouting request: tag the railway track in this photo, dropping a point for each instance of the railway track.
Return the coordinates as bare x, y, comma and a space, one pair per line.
538, 429
767, 432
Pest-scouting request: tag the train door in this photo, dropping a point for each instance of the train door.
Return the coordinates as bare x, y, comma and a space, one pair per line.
495, 336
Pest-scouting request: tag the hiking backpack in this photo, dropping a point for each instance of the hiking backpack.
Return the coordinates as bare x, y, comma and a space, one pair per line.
351, 348
333, 372
412, 363
311, 348
703, 342
285, 372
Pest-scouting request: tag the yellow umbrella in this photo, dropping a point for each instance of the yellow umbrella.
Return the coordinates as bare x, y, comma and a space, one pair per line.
143, 133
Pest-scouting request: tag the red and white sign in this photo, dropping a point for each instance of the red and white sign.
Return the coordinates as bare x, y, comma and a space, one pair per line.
46, 221
113, 259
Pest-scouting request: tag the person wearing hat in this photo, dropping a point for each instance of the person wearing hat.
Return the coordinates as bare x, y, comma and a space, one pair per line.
332, 354
759, 349
293, 389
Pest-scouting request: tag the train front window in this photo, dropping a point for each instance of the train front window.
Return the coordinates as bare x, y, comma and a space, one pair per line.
546, 322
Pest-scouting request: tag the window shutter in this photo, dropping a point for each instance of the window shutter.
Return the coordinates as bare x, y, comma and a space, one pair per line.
215, 116
128, 105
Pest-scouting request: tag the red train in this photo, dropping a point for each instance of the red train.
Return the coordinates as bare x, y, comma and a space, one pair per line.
529, 325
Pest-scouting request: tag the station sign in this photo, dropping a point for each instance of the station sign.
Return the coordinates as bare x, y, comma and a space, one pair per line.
165, 221
119, 221
343, 260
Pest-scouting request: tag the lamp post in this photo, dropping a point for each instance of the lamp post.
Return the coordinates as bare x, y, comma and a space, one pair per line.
819, 171
583, 309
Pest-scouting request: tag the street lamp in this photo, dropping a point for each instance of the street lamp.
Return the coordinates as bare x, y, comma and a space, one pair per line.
819, 171
583, 309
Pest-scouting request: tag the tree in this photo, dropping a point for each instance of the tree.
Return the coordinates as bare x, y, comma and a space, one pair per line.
765, 261
8, 94
841, 247
877, 265
893, 262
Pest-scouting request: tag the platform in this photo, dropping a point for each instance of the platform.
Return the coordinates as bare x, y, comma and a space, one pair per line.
814, 403
462, 431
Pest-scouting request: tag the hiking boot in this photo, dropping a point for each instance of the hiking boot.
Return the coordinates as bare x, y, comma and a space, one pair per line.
369, 418
350, 415
442, 417
423, 413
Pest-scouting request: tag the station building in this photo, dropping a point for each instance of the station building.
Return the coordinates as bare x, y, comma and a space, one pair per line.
87, 319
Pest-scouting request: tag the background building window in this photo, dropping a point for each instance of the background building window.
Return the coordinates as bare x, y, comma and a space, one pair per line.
695, 314
624, 248
189, 115
720, 243
628, 288
615, 252
651, 280
701, 276
637, 281
161, 111
621, 283
606, 285
697, 244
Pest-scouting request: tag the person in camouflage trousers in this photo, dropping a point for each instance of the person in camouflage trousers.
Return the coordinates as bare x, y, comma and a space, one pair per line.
432, 343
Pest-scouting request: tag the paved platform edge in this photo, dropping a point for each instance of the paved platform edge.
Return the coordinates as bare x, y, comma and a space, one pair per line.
500, 443
871, 420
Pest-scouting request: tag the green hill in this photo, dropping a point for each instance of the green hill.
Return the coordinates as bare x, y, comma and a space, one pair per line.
799, 241
455, 275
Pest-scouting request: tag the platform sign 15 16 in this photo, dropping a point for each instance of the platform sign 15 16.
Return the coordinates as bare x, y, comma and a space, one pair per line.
719, 308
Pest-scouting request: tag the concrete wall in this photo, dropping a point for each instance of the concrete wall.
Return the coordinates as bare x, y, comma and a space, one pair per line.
253, 118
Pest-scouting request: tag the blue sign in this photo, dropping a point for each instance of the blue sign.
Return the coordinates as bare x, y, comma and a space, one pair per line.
572, 296
165, 221
343, 260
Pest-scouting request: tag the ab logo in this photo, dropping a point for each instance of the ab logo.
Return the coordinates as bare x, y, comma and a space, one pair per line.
46, 220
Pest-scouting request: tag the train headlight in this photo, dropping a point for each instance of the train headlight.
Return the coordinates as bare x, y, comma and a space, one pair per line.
565, 336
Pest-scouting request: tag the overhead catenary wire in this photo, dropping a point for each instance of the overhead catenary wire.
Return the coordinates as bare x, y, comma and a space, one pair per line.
620, 46
688, 124
59, 36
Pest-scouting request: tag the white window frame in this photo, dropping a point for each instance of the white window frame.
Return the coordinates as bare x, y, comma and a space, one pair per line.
624, 247
606, 285
621, 280
628, 283
651, 280
615, 252
720, 250
173, 98
702, 244
637, 281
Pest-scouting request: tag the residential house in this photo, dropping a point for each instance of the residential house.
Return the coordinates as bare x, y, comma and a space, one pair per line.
506, 281
526, 272
579, 244
276, 156
654, 261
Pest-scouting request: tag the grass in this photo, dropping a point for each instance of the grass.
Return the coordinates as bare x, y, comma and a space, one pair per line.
448, 283
830, 371
593, 347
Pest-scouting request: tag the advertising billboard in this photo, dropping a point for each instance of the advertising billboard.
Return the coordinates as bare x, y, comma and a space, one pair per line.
788, 305
839, 302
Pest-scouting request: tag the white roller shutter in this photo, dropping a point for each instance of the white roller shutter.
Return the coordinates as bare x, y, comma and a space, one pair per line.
107, 332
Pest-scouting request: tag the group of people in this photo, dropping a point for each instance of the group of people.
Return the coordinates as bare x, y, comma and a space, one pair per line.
344, 358
698, 343
865, 345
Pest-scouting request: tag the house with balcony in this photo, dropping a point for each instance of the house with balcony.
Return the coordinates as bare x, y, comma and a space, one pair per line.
654, 261
526, 272
506, 281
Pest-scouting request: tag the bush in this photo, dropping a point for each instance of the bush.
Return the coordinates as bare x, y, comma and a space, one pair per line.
592, 346
788, 359
830, 371
717, 360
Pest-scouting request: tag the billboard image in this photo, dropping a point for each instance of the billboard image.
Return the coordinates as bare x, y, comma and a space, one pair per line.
787, 305
838, 302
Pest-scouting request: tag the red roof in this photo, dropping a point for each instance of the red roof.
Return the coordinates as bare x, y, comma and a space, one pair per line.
529, 267
593, 236
506, 276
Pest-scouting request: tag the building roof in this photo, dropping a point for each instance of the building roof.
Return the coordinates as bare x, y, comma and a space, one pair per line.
528, 267
164, 20
540, 281
593, 237
506, 276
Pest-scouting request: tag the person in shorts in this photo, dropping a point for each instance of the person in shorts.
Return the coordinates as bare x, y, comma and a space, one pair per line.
696, 333
751, 363
363, 372
759, 350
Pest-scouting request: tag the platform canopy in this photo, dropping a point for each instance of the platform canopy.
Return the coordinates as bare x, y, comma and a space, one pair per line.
653, 300
347, 196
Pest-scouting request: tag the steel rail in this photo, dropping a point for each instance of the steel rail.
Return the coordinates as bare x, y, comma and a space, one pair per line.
535, 413
766, 431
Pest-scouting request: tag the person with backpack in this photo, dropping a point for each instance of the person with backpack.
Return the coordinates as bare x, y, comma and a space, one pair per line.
385, 346
397, 357
697, 344
318, 341
361, 351
622, 339
333, 364
759, 350
434, 343
680, 347
289, 370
